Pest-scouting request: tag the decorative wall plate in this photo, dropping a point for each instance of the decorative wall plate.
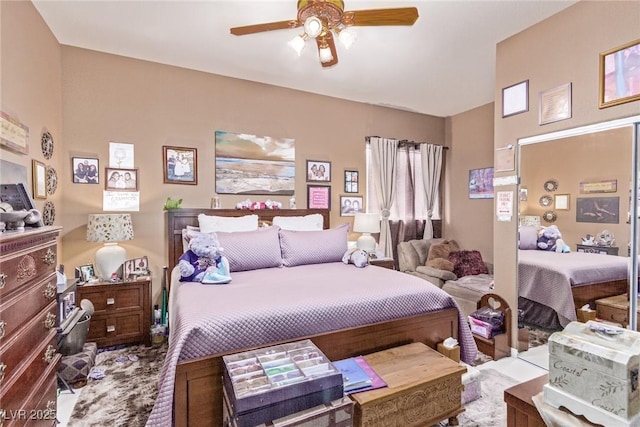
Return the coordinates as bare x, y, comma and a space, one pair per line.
546, 201
551, 185
549, 216
48, 214
52, 180
47, 145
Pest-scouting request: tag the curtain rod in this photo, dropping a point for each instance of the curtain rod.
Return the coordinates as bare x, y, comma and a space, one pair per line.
403, 141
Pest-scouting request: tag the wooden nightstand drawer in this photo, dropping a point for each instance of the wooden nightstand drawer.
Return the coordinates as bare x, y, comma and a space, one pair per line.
122, 312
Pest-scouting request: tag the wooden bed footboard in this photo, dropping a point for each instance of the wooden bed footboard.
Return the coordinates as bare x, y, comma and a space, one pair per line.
588, 294
198, 383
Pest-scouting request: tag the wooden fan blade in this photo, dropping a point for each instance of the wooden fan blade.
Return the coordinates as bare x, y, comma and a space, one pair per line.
328, 39
259, 28
364, 18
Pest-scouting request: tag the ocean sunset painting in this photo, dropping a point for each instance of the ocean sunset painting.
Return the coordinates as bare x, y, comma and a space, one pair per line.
250, 164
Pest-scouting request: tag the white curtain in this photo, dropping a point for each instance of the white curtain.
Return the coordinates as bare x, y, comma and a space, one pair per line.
384, 153
431, 156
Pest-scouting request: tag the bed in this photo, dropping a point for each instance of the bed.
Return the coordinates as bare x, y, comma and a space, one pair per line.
377, 309
552, 285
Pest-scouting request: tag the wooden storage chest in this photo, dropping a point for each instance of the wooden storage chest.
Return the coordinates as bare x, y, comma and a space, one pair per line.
424, 388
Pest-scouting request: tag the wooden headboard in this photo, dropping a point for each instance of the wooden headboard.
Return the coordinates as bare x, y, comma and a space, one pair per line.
178, 219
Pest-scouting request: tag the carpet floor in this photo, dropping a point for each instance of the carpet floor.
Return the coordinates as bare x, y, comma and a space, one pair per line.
125, 396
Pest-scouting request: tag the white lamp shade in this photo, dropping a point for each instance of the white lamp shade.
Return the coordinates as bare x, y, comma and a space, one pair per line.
367, 223
325, 54
109, 258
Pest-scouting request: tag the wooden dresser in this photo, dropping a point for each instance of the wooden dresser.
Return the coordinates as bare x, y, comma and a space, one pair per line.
122, 312
28, 343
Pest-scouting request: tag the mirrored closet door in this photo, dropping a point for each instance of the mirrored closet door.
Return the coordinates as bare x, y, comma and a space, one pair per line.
577, 186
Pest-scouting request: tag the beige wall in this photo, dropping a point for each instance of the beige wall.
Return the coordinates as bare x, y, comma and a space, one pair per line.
591, 159
30, 88
469, 221
113, 98
564, 48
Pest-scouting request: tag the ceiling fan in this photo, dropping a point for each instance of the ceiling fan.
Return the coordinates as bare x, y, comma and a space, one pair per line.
321, 18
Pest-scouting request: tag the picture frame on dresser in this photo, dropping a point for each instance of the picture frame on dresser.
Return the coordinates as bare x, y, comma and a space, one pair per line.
86, 272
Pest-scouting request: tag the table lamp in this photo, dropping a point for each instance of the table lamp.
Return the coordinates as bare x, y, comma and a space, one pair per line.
367, 223
110, 229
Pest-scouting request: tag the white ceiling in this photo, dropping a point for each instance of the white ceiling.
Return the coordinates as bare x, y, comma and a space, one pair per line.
442, 65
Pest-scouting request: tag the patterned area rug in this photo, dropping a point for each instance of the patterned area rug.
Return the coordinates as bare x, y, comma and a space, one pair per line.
125, 396
490, 410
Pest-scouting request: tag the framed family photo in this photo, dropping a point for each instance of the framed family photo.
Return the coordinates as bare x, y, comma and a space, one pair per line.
351, 205
180, 165
121, 179
86, 272
318, 171
85, 170
135, 268
620, 75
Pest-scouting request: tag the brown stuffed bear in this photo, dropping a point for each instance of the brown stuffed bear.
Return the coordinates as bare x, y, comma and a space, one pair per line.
439, 254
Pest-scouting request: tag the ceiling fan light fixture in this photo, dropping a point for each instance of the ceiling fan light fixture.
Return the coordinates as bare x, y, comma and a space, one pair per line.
346, 36
313, 26
325, 54
297, 43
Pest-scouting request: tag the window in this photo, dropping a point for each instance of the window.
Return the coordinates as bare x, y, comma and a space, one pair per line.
409, 200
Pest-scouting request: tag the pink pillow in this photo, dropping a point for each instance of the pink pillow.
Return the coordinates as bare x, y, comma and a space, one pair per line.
313, 247
251, 250
467, 263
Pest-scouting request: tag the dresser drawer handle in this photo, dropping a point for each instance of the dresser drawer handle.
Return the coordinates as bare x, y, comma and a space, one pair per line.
50, 291
111, 328
3, 279
49, 258
3, 325
49, 353
50, 321
111, 301
3, 368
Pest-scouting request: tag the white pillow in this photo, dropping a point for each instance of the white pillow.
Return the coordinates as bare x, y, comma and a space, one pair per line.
211, 224
311, 222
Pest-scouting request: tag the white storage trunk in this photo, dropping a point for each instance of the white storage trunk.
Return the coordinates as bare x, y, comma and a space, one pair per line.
593, 371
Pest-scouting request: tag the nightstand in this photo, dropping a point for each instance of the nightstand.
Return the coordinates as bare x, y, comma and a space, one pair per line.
122, 312
383, 262
604, 250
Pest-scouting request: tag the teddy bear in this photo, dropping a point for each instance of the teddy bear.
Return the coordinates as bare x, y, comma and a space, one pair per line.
357, 257
550, 239
203, 261
438, 255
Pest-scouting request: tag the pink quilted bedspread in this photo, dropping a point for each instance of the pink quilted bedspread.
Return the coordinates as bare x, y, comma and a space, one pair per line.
262, 306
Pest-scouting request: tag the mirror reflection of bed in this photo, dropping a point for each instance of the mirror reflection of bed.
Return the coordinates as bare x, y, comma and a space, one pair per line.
584, 167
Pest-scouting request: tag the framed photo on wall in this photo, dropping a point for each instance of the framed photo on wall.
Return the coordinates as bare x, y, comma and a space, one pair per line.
605, 210
481, 183
318, 171
39, 179
85, 170
350, 181
180, 165
350, 205
121, 179
318, 197
515, 99
620, 75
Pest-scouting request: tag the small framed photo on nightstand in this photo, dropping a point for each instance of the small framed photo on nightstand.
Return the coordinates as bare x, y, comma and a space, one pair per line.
86, 272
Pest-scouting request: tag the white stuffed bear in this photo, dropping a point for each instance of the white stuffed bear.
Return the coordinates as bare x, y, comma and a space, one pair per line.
203, 262
357, 257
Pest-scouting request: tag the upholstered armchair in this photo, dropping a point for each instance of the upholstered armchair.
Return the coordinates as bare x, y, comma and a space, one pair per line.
466, 289
412, 257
